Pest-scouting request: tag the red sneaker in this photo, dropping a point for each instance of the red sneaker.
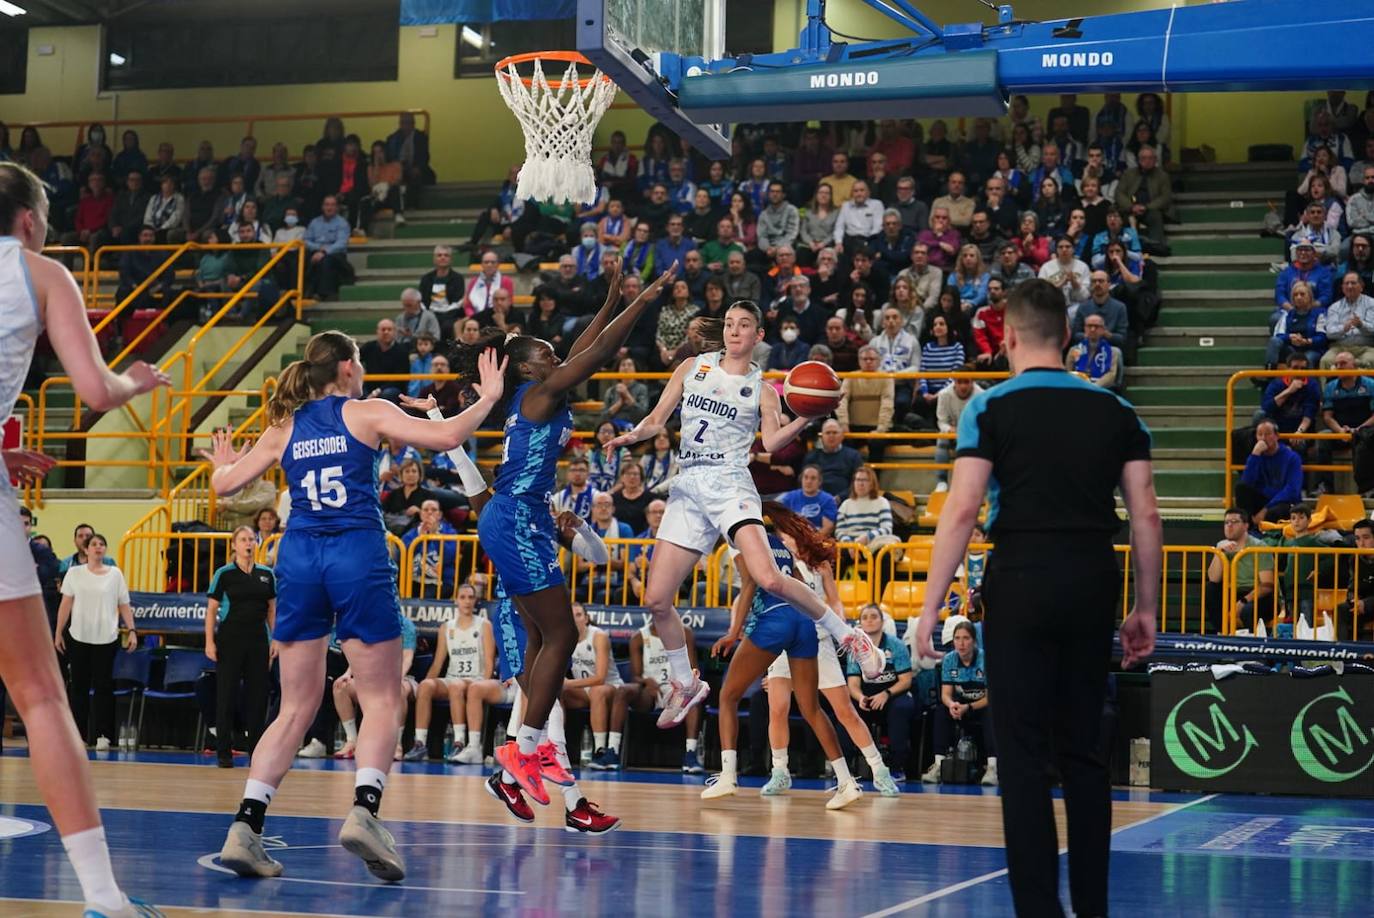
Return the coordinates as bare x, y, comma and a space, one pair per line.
549, 769
525, 768
510, 795
586, 818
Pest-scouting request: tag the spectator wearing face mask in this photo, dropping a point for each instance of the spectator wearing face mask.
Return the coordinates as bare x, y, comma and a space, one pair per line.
789, 350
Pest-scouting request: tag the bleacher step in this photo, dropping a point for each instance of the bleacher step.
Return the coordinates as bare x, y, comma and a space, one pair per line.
1223, 315
1189, 396
1200, 356
1226, 281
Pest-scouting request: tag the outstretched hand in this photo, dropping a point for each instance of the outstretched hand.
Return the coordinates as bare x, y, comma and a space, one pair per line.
146, 377
27, 466
492, 375
630, 438
652, 291
427, 403
222, 453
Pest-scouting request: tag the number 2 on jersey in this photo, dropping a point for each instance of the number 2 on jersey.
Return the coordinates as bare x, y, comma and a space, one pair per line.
701, 431
330, 492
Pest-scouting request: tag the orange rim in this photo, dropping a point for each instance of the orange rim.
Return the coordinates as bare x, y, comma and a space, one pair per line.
572, 57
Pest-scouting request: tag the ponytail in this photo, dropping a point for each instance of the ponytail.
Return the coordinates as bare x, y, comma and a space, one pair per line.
306, 379
812, 547
712, 331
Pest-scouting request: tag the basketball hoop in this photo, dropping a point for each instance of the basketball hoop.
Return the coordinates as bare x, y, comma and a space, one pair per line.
558, 117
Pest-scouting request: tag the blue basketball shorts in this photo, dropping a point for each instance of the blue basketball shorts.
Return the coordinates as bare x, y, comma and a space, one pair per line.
510, 639
520, 539
340, 581
779, 628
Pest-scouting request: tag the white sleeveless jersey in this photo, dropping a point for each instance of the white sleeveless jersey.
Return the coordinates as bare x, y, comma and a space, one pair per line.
584, 659
464, 649
655, 657
19, 323
720, 414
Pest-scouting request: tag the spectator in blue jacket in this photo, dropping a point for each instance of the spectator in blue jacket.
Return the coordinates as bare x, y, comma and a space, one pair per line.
1301, 329
434, 573
810, 502
674, 245
1347, 406
1305, 267
326, 246
1272, 481
1292, 401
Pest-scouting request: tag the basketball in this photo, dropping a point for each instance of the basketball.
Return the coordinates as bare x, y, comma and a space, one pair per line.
811, 389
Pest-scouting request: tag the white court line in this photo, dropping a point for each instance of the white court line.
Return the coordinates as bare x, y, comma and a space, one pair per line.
195, 909
974, 881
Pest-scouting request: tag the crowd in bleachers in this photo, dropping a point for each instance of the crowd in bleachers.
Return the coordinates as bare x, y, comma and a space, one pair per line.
331, 194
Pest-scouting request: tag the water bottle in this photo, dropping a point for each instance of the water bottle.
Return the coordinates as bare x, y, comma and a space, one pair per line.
965, 751
126, 738
585, 756
448, 742
498, 736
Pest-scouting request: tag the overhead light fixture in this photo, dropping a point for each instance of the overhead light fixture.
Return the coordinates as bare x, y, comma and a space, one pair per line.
116, 59
11, 9
470, 35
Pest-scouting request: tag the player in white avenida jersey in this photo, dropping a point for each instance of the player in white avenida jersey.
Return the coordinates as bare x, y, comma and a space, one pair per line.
724, 402
38, 293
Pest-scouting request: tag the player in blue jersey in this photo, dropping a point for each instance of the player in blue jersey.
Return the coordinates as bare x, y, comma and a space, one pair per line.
515, 528
773, 627
512, 640
334, 572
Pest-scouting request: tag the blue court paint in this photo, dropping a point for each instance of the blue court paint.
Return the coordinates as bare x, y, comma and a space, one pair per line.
168, 858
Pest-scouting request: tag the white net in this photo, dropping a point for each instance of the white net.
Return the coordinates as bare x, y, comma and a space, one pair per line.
558, 119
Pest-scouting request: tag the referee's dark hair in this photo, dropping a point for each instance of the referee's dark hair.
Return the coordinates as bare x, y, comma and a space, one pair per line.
1036, 309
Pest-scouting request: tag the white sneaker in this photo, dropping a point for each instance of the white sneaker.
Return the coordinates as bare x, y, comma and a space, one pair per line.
990, 776
132, 908
861, 648
244, 854
681, 699
845, 794
364, 835
102, 744
883, 783
471, 754
942, 486
932, 774
400, 219
778, 784
721, 785
313, 750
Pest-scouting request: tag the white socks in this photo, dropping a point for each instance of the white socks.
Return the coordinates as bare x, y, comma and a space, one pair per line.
422, 735
527, 739
90, 857
460, 735
351, 730
370, 777
779, 759
555, 727
872, 756
841, 768
691, 744
599, 740
572, 796
259, 790
727, 764
614, 741
834, 626
680, 665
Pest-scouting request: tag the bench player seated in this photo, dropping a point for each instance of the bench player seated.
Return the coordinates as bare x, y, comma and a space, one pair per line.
646, 691
595, 678
346, 694
464, 660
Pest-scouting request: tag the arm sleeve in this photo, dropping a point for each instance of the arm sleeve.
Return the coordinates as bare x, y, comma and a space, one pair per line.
901, 658
884, 518
829, 509
216, 590
974, 435
1291, 491
69, 583
1138, 439
123, 585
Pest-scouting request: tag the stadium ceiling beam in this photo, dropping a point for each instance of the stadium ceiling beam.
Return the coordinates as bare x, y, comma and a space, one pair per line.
79, 12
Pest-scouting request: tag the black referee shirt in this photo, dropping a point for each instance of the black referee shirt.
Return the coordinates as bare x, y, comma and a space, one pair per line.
243, 597
1057, 444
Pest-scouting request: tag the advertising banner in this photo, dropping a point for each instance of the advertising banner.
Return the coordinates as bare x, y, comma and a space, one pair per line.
1273, 734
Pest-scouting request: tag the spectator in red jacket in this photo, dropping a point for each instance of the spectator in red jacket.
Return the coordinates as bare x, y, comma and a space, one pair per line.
989, 331
92, 211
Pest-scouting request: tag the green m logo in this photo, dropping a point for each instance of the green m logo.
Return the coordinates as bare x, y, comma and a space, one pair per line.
1331, 752
1203, 751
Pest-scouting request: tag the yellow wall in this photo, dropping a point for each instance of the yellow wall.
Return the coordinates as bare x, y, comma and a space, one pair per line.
111, 518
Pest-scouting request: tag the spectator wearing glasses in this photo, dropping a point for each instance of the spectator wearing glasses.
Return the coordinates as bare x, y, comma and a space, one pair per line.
1349, 323
1095, 357
1347, 407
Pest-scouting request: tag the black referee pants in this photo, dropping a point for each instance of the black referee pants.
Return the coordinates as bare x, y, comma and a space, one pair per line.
1051, 613
242, 657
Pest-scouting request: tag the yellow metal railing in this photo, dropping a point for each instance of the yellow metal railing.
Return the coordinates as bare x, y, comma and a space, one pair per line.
1183, 588
1311, 582
1236, 463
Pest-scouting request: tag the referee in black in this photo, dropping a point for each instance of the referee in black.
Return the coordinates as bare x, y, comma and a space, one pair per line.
243, 602
1049, 449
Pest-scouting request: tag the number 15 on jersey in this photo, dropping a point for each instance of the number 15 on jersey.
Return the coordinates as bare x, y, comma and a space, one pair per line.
329, 492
